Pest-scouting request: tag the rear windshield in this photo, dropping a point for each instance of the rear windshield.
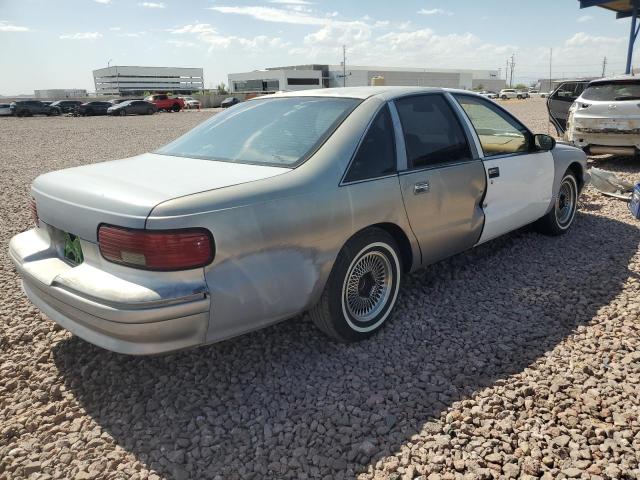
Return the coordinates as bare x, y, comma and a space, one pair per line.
276, 131
608, 92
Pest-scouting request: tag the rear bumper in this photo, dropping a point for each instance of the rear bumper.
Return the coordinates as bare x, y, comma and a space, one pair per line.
131, 317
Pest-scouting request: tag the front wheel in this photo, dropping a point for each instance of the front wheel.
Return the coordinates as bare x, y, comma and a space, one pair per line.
559, 219
176, 108
362, 288
504, 97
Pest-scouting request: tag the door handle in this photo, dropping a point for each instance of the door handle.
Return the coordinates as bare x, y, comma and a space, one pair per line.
420, 187
493, 172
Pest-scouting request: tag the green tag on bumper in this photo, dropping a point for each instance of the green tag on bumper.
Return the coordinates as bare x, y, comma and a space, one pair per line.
72, 248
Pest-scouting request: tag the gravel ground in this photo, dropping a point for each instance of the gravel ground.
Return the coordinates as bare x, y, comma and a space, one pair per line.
518, 359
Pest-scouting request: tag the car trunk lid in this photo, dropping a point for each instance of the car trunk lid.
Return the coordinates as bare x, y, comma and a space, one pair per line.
123, 192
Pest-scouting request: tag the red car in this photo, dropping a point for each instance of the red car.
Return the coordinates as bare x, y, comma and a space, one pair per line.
165, 102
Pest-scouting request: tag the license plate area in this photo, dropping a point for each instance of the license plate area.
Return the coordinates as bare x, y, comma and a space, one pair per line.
72, 249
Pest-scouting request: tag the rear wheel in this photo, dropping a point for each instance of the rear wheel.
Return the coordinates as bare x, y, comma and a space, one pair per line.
559, 219
176, 107
149, 111
504, 97
362, 288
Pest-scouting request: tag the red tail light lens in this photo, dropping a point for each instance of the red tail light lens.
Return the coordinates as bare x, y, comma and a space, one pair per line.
156, 249
34, 212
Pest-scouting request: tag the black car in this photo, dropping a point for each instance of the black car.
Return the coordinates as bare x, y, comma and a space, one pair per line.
28, 108
66, 106
135, 107
117, 101
229, 102
94, 108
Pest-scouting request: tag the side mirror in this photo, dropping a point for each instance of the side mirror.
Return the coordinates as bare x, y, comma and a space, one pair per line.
544, 142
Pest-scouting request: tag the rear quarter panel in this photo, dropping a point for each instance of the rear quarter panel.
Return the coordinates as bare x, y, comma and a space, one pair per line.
277, 239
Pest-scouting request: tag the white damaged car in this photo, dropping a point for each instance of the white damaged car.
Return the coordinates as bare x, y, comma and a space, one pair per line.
605, 118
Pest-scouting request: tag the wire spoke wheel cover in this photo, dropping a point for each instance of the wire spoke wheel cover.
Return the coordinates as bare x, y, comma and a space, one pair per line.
370, 287
566, 201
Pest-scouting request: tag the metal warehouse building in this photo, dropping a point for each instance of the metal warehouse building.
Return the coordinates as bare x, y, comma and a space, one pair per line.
129, 80
302, 77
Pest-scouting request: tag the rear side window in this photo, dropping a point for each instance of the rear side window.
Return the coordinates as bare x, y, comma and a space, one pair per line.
432, 133
376, 156
609, 92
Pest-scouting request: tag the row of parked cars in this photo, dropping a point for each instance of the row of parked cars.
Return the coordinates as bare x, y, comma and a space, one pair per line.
125, 106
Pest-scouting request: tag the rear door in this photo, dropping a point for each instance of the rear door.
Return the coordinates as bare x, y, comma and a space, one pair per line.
519, 177
560, 101
443, 182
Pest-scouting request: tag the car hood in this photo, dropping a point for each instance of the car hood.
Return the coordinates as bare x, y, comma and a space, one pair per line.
123, 192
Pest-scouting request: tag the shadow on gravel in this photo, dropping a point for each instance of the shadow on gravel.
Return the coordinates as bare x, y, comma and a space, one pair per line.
286, 400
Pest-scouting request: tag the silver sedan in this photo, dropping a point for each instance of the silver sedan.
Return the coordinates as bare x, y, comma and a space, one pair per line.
313, 201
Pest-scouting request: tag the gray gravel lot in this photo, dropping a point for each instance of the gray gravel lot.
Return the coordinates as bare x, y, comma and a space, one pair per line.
518, 359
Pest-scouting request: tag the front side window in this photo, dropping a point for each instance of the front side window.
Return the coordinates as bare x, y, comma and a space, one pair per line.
614, 91
376, 156
270, 131
432, 133
499, 133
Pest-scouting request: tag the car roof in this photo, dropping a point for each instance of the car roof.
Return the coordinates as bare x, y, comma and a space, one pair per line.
386, 92
616, 78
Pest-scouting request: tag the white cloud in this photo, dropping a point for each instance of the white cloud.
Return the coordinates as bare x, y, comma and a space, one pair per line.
270, 14
131, 34
152, 5
115, 29
208, 35
434, 11
291, 2
8, 27
82, 36
103, 2
584, 18
181, 43
581, 38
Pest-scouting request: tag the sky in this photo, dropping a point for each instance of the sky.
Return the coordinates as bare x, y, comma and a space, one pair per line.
57, 43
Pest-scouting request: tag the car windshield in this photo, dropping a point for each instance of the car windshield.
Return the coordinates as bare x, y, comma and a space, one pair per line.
275, 131
608, 92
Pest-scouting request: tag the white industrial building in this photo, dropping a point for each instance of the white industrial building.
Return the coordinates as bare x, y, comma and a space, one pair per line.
129, 80
59, 93
302, 77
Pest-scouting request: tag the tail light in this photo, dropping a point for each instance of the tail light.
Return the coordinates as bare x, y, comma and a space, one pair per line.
34, 212
164, 250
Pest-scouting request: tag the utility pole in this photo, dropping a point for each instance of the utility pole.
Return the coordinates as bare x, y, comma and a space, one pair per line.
604, 66
550, 76
513, 64
344, 65
506, 74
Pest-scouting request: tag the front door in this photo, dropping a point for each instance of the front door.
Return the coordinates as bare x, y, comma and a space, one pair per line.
443, 183
519, 178
560, 101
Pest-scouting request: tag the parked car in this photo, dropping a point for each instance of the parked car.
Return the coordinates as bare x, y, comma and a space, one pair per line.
545, 94
559, 102
520, 94
117, 101
166, 103
534, 93
229, 102
28, 108
312, 201
491, 95
508, 93
133, 107
605, 118
94, 108
190, 102
5, 110
66, 106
